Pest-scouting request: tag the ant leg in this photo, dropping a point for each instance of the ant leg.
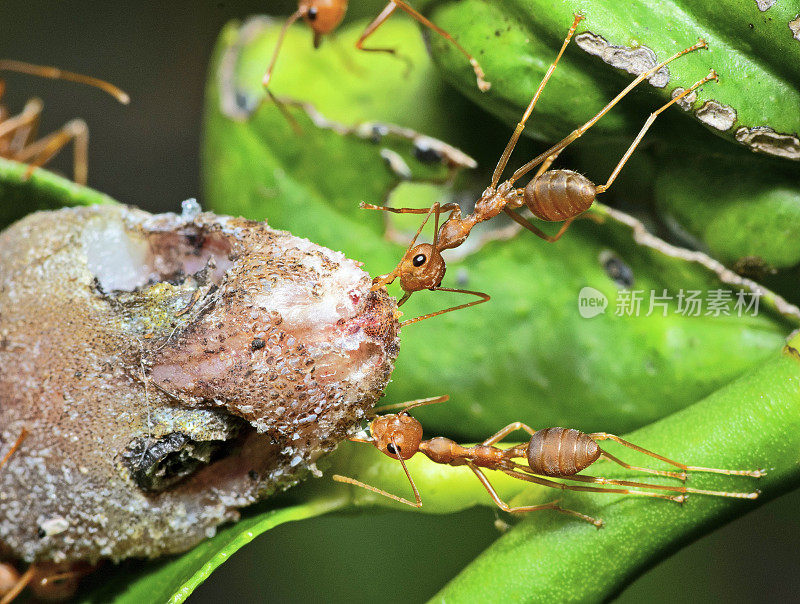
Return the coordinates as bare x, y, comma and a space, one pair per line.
375, 24
484, 298
43, 150
22, 436
9, 578
553, 505
483, 85
606, 436
711, 76
281, 105
503, 161
535, 230
18, 128
417, 503
420, 402
55, 581
21, 583
501, 434
573, 487
54, 73
668, 474
660, 487
448, 207
578, 132
281, 36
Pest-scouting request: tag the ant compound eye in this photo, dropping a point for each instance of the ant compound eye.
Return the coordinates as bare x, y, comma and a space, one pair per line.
392, 449
312, 13
419, 260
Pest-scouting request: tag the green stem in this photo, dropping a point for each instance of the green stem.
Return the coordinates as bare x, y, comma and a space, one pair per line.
753, 423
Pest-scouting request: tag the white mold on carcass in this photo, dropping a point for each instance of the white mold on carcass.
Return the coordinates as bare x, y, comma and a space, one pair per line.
171, 369
634, 59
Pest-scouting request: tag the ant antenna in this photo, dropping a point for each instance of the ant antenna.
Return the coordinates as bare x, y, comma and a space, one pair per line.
300, 12
417, 503
22, 436
54, 73
408, 405
484, 298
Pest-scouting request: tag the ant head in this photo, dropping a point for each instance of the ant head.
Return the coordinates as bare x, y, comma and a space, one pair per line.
421, 268
323, 16
397, 435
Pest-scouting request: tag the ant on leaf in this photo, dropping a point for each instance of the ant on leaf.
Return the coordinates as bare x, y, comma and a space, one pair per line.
324, 16
550, 453
551, 195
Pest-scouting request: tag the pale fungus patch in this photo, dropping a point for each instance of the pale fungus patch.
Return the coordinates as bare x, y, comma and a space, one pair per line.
717, 115
765, 140
635, 60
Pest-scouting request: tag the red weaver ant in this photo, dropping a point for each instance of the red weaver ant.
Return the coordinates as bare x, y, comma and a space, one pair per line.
324, 16
18, 132
552, 195
552, 452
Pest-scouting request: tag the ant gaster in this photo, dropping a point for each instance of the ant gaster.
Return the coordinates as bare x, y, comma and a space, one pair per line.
551, 195
324, 16
552, 453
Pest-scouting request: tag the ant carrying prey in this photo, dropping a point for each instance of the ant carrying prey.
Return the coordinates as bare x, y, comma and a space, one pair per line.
18, 132
552, 453
551, 195
324, 16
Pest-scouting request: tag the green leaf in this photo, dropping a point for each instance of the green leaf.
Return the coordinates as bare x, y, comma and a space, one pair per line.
173, 579
21, 193
528, 347
755, 213
752, 423
754, 52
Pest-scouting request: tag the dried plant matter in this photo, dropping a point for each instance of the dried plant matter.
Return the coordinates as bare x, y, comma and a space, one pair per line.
171, 369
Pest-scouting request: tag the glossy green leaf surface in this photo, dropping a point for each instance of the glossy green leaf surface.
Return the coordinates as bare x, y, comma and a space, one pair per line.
753, 423
174, 578
737, 206
529, 346
755, 53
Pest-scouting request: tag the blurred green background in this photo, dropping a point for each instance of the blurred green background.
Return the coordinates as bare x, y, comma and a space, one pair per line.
147, 155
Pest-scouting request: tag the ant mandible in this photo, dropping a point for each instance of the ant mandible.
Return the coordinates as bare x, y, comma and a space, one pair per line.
49, 581
552, 453
18, 132
551, 195
324, 16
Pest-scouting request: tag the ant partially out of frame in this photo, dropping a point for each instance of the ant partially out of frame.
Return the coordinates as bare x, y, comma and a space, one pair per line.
18, 133
551, 195
324, 16
550, 453
49, 581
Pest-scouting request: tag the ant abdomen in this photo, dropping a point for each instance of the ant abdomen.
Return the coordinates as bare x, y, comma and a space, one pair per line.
559, 195
561, 452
